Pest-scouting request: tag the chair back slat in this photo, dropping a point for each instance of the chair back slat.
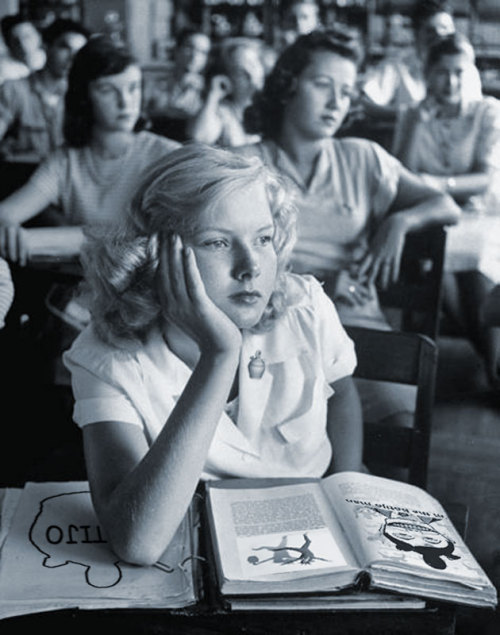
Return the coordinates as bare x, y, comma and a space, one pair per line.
417, 294
407, 358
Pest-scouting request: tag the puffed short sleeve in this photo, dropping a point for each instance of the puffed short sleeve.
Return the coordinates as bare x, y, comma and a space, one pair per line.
51, 176
488, 142
336, 347
385, 174
100, 387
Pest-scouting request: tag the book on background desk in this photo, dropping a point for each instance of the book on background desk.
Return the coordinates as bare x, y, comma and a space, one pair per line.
311, 540
54, 555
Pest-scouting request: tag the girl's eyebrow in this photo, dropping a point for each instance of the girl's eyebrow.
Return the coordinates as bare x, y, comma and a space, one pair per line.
222, 230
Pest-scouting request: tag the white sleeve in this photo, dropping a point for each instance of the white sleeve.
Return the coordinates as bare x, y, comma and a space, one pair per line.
96, 399
337, 348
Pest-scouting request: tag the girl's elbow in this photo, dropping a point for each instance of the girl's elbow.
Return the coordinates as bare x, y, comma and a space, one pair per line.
133, 552
454, 213
450, 212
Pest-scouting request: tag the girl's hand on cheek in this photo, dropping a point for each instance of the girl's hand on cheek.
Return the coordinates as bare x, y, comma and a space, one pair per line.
186, 303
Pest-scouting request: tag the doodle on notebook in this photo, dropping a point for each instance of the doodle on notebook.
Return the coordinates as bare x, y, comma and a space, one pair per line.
79, 542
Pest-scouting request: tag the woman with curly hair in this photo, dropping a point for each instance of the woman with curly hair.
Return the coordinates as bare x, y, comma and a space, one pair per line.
356, 202
205, 358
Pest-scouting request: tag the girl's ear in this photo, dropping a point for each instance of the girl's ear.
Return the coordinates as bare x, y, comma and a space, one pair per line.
292, 89
228, 85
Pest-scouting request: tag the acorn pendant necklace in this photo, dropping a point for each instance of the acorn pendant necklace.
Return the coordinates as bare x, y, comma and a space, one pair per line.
256, 366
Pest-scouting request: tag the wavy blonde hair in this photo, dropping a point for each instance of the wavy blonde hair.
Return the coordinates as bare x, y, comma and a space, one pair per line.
121, 262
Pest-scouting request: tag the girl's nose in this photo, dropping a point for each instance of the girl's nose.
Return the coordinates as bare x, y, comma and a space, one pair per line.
246, 265
333, 99
122, 98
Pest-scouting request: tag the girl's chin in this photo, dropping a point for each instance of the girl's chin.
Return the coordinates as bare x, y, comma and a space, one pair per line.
246, 319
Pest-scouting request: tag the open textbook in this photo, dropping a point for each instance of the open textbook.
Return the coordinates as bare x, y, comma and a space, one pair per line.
350, 530
54, 555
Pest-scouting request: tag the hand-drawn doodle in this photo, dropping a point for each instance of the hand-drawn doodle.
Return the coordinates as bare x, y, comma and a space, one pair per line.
79, 542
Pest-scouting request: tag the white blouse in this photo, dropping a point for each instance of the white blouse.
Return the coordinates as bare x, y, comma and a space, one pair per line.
278, 428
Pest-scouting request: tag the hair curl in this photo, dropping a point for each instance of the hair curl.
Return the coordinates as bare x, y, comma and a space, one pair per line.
454, 44
264, 116
100, 57
121, 263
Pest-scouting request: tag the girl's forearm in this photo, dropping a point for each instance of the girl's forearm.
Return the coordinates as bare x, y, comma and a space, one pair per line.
63, 243
142, 513
345, 427
438, 210
206, 126
461, 186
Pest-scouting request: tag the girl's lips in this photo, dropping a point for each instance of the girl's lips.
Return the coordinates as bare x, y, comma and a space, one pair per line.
246, 297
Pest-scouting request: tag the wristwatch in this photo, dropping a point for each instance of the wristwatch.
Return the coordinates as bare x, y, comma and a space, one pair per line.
451, 183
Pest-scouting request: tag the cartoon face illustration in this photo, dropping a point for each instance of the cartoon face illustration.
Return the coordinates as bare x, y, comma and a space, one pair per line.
410, 532
414, 534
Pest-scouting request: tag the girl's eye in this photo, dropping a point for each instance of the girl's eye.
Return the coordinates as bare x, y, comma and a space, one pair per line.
215, 244
265, 240
104, 89
322, 84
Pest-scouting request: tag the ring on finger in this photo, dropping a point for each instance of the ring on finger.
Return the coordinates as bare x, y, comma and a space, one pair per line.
352, 288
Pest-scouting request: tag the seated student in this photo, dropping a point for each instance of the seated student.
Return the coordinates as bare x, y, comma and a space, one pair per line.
187, 300
356, 202
453, 141
178, 96
297, 17
399, 81
90, 181
31, 108
25, 52
235, 72
92, 178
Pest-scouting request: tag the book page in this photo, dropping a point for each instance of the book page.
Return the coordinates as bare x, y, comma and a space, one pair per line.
401, 527
287, 531
56, 555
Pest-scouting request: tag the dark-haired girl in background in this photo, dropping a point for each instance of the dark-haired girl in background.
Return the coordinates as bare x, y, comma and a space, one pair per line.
92, 178
356, 202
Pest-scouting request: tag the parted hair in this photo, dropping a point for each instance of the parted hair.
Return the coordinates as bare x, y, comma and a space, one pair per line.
100, 57
264, 115
121, 263
454, 44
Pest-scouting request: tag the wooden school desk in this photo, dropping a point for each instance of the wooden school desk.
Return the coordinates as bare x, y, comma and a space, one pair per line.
207, 618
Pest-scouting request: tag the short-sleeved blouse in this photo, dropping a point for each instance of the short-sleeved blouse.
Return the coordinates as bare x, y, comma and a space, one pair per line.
470, 142
279, 426
90, 189
353, 184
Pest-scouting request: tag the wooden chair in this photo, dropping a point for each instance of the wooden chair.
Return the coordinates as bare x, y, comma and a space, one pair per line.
408, 358
414, 301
